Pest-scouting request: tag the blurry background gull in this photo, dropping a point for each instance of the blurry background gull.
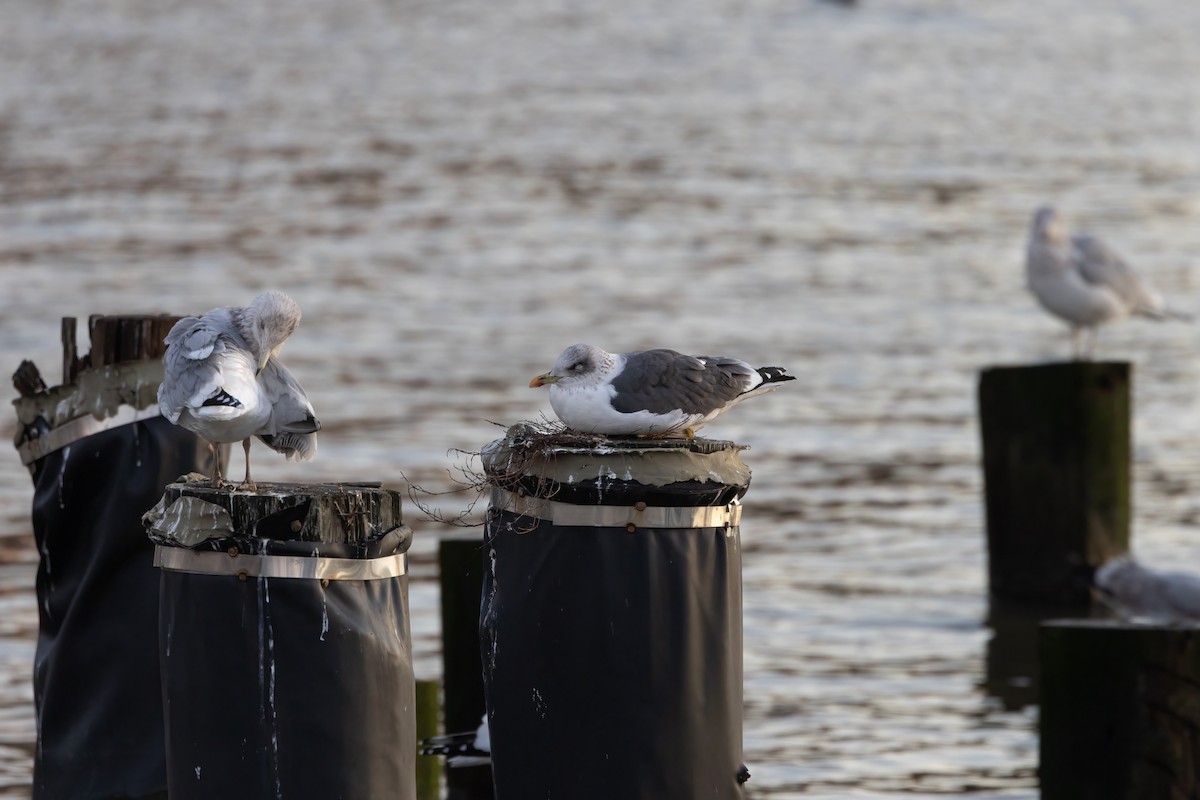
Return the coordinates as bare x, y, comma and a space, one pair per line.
1084, 282
1138, 593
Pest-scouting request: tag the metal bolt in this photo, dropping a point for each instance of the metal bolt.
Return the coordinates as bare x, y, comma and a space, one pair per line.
324, 583
243, 575
640, 505
233, 552
631, 527
296, 526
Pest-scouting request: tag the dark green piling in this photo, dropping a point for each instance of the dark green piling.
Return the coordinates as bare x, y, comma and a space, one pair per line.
1056, 462
429, 771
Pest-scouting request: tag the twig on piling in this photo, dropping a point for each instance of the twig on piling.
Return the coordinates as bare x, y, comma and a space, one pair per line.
523, 444
417, 495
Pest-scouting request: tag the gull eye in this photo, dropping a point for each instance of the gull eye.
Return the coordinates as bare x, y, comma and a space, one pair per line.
578, 367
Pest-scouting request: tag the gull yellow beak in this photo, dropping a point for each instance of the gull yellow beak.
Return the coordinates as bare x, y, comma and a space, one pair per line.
262, 364
542, 380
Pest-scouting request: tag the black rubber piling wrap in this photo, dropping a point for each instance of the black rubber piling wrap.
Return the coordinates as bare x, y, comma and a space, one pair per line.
99, 717
612, 659
294, 688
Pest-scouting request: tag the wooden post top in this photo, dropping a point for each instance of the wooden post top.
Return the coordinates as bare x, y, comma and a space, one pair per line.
192, 512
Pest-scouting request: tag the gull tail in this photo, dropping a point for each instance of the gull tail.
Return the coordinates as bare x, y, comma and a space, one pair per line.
1159, 312
774, 375
295, 446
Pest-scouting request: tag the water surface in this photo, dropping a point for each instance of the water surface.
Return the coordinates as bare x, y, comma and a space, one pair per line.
455, 191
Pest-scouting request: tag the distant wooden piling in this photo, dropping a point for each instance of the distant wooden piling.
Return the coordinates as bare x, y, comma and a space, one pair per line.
460, 563
1056, 462
1120, 711
429, 771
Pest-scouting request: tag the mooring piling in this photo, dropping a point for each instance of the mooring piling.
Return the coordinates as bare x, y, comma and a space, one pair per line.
285, 641
1120, 710
1056, 462
611, 626
99, 455
460, 570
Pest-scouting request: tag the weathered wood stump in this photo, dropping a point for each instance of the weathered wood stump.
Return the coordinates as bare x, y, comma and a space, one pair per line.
284, 639
1056, 462
194, 511
1120, 711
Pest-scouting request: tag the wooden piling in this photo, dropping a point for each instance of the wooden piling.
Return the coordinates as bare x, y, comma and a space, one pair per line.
86, 523
612, 618
429, 771
1120, 711
1056, 462
460, 563
284, 641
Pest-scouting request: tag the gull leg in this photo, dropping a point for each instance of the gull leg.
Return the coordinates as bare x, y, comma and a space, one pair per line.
247, 484
1093, 333
216, 459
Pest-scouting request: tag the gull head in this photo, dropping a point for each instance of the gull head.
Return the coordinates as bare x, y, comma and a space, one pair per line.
578, 365
267, 323
1049, 226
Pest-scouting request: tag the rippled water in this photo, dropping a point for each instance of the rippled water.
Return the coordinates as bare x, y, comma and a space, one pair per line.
454, 191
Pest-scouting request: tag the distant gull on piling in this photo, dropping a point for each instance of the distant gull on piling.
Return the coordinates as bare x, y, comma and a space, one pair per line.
651, 392
1084, 282
467, 749
1139, 593
223, 382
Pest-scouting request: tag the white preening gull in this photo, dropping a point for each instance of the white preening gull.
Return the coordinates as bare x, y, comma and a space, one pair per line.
223, 382
651, 392
468, 749
1138, 593
1083, 281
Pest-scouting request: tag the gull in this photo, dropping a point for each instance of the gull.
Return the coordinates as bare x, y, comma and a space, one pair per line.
223, 382
467, 749
651, 392
1136, 592
1083, 281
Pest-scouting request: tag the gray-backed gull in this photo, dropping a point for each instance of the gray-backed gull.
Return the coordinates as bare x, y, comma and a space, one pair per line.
651, 392
1083, 281
223, 382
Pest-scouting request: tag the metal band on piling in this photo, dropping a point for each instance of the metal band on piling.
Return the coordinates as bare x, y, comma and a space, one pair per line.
641, 515
242, 565
80, 428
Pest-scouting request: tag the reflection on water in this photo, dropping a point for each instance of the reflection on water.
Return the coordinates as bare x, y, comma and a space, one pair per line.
456, 191
1012, 665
